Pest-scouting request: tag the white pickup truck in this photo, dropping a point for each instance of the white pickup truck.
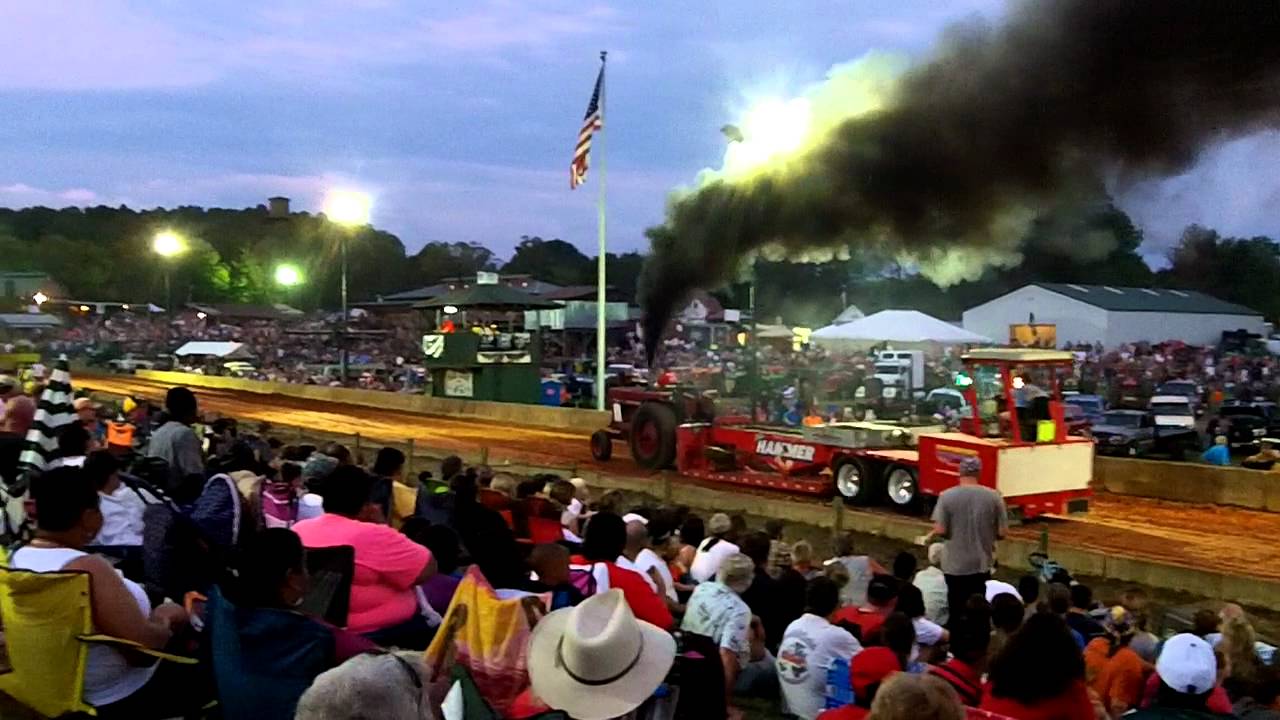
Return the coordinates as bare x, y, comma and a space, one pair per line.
1173, 411
130, 364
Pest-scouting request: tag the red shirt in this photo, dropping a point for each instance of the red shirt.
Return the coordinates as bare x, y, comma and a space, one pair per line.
868, 621
966, 681
1218, 701
645, 603
848, 712
1074, 704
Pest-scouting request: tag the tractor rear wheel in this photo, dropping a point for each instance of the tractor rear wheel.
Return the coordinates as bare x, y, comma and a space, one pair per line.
855, 481
653, 436
601, 446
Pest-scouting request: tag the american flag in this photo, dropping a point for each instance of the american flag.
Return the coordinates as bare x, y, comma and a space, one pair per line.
590, 124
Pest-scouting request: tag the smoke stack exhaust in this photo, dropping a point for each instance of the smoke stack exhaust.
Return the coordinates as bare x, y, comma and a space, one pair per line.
972, 145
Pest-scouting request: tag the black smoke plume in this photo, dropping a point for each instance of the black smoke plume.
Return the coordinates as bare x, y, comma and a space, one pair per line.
981, 137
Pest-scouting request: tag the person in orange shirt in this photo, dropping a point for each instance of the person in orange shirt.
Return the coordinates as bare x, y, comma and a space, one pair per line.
1114, 670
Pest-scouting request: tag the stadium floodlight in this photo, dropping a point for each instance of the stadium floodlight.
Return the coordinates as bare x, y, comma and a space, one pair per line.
287, 275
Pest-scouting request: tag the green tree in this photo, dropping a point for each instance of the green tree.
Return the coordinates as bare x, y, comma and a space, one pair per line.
554, 261
1240, 270
439, 260
104, 253
621, 272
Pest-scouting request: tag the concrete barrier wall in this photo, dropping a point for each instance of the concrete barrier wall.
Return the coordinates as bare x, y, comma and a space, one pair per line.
1188, 482
567, 419
1162, 480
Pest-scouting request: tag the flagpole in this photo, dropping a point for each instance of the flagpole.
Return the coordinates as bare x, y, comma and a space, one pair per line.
601, 328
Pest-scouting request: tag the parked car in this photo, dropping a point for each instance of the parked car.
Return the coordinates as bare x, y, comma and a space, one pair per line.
1093, 405
1134, 433
1245, 423
944, 397
1186, 388
1076, 420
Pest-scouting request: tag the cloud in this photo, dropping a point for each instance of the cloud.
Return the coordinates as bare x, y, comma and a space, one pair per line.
24, 195
1233, 189
120, 45
93, 45
424, 200
502, 24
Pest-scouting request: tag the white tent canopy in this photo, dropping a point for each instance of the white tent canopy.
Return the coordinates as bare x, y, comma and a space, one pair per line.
774, 332
897, 326
225, 350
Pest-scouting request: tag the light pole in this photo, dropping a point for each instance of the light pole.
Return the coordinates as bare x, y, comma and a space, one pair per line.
168, 245
350, 209
734, 134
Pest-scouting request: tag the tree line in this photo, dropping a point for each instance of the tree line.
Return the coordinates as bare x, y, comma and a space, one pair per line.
103, 253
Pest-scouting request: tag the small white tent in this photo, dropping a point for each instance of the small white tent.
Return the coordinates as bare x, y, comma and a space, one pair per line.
902, 328
849, 314
223, 350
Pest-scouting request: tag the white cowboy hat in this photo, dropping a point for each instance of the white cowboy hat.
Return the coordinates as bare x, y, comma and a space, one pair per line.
597, 661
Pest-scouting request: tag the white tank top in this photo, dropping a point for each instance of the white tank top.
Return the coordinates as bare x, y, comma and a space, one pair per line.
855, 592
108, 677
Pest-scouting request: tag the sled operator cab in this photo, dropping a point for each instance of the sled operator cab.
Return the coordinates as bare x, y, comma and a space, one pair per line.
1017, 430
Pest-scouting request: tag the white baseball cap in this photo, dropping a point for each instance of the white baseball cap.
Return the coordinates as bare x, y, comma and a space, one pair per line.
999, 587
1187, 665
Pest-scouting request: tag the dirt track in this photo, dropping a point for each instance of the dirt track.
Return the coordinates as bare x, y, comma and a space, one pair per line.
1232, 540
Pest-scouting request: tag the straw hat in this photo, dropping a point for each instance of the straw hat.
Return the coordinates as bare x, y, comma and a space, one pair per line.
597, 661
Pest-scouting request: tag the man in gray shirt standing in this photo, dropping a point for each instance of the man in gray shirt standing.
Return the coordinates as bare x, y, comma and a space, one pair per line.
972, 518
176, 443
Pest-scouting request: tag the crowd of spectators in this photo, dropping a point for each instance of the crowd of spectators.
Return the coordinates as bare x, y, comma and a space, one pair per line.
387, 351
284, 349
652, 610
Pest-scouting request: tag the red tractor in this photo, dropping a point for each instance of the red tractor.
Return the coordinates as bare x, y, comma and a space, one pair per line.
646, 419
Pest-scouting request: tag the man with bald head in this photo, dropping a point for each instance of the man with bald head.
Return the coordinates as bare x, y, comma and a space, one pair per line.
639, 556
19, 413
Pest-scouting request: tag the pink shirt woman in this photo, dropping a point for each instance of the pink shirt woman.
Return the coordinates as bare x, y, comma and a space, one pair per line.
388, 565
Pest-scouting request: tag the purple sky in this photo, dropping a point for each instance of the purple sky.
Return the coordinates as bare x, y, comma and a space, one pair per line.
458, 117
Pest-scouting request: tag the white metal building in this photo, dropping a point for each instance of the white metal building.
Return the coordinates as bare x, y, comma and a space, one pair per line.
1113, 315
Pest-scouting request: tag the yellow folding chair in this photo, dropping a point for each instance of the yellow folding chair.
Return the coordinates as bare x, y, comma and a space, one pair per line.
48, 625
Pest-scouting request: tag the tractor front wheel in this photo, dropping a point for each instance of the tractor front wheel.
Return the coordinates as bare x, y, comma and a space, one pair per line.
601, 446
